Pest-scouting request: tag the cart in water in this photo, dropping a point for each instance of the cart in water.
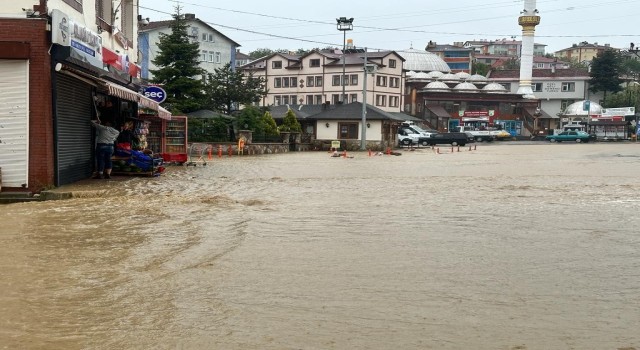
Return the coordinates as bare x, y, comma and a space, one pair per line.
198, 154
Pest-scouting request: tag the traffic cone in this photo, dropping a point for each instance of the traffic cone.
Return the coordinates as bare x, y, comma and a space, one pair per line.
219, 151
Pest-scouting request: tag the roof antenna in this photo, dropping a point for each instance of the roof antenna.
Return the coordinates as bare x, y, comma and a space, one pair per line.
411, 45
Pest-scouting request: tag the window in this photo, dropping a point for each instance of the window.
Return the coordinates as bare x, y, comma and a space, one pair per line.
203, 56
381, 81
204, 36
103, 12
353, 97
392, 63
277, 82
539, 65
394, 82
568, 86
285, 100
210, 56
394, 101
211, 38
309, 99
381, 100
294, 82
536, 86
217, 59
319, 80
335, 99
354, 79
319, 99
285, 82
348, 131
315, 62
506, 86
277, 101
276, 64
310, 81
294, 99
335, 80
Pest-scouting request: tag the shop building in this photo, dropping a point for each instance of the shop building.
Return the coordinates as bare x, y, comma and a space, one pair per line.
63, 63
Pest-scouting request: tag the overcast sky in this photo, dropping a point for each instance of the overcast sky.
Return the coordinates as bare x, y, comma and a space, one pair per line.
390, 25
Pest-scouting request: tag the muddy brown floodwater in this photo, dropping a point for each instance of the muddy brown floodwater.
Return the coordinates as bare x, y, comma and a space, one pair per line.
509, 246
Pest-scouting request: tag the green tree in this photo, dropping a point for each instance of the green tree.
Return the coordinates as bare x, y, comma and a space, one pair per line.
268, 124
259, 53
512, 63
605, 73
290, 122
179, 69
226, 88
480, 68
249, 119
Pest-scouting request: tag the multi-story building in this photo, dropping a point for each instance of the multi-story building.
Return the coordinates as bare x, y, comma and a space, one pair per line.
457, 57
502, 47
216, 49
582, 52
62, 63
555, 88
315, 78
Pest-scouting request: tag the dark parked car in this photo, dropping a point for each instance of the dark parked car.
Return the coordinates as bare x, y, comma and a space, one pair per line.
448, 138
571, 135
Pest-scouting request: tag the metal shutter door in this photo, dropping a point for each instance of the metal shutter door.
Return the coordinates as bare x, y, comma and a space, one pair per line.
74, 146
14, 122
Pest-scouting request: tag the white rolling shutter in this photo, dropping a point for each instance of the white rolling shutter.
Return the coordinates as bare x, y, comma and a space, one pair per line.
14, 122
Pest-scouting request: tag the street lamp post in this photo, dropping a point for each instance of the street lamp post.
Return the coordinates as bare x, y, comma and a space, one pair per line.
344, 24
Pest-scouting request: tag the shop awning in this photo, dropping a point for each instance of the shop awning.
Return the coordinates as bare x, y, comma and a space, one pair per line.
163, 113
146, 102
121, 92
439, 111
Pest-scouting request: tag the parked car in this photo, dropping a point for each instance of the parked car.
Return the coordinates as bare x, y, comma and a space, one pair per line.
570, 135
449, 138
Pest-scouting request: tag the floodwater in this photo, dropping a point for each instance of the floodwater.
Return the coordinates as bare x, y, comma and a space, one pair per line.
508, 246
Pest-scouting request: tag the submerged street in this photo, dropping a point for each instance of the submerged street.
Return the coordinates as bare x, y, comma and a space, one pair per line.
509, 246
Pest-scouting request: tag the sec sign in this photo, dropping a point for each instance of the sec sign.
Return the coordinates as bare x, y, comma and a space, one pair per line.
155, 93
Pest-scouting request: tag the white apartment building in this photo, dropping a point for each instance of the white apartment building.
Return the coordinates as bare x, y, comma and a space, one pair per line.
216, 49
315, 78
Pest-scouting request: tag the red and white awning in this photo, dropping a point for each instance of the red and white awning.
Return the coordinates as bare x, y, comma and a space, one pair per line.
130, 95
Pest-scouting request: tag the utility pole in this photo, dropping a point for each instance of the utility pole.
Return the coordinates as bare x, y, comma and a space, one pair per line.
363, 142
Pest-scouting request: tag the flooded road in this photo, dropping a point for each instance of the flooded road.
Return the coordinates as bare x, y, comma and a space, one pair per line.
510, 246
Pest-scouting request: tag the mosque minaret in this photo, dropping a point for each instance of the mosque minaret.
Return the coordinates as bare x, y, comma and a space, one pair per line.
529, 19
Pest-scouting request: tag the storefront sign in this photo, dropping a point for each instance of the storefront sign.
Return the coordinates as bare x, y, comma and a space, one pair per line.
155, 93
120, 62
86, 45
476, 114
620, 111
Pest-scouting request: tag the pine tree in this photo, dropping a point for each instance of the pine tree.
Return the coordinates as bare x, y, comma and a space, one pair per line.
226, 88
605, 73
268, 124
179, 70
290, 122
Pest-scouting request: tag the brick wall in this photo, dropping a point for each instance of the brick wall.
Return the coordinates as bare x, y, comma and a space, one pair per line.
41, 158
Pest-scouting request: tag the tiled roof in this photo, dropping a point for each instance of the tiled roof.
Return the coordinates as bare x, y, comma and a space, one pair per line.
350, 111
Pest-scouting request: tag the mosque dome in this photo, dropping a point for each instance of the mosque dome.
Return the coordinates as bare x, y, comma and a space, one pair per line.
437, 86
423, 61
435, 74
577, 109
420, 75
468, 87
410, 73
462, 75
449, 77
477, 78
494, 88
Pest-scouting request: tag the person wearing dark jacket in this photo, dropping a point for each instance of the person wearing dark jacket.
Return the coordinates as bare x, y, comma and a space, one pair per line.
105, 137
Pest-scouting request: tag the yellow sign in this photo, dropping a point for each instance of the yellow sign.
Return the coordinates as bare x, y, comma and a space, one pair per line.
335, 144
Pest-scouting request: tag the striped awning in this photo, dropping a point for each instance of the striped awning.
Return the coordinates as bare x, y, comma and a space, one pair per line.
163, 113
121, 92
147, 102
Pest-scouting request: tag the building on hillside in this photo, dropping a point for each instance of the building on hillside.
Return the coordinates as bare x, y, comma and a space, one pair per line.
61, 63
502, 47
457, 57
555, 88
216, 49
582, 52
315, 78
539, 62
242, 59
